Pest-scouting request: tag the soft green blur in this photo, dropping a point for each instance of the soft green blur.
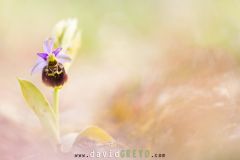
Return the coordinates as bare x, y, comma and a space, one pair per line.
214, 23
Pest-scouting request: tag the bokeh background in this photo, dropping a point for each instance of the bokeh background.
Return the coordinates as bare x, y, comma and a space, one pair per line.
157, 74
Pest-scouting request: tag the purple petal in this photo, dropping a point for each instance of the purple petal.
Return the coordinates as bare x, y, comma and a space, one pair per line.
45, 47
48, 45
57, 51
43, 55
63, 58
38, 67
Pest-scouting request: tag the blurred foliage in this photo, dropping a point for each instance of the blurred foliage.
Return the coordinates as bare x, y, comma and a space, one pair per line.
208, 23
220, 24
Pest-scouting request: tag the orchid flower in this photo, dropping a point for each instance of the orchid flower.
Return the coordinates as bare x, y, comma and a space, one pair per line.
50, 62
48, 54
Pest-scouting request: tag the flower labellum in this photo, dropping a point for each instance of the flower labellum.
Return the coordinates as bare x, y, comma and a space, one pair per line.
50, 62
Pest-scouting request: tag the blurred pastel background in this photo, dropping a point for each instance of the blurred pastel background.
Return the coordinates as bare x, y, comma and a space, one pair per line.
157, 74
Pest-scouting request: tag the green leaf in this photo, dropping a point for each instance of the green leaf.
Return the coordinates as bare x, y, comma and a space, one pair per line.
92, 132
96, 134
40, 106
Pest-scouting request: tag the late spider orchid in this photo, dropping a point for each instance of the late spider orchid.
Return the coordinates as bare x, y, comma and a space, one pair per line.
50, 62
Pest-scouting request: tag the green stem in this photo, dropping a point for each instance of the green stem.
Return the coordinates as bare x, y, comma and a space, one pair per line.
56, 108
56, 100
